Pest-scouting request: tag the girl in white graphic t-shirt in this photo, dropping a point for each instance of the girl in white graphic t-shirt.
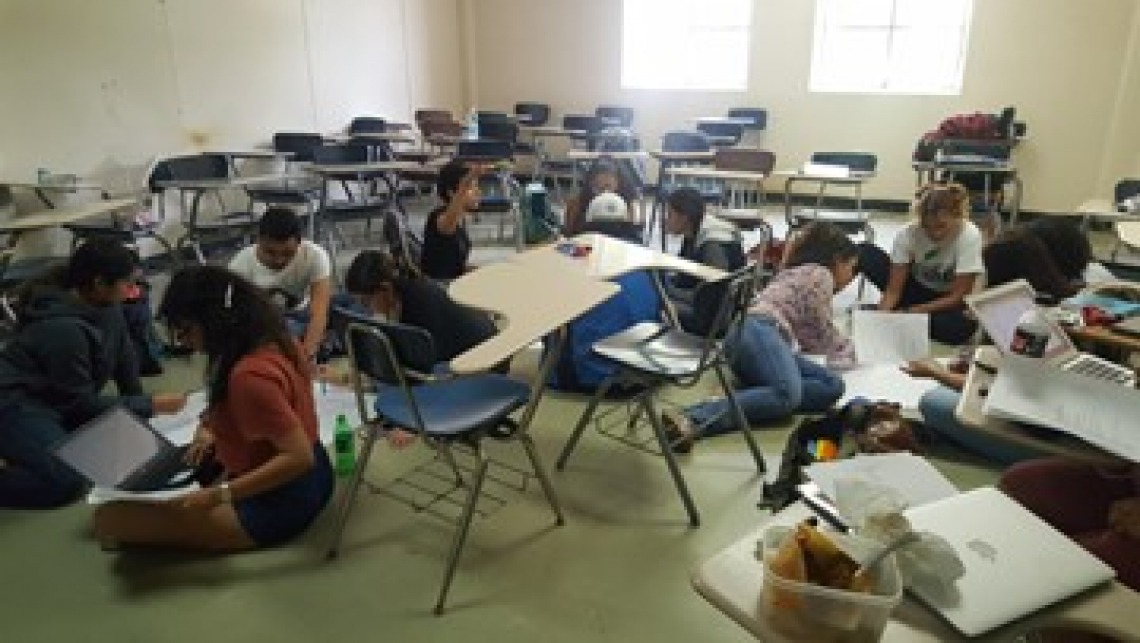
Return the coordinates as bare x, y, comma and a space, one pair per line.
933, 263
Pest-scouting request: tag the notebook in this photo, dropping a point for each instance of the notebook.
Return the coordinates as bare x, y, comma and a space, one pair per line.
118, 450
1015, 563
999, 309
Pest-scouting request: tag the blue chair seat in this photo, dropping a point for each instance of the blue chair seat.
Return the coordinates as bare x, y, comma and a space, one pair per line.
454, 407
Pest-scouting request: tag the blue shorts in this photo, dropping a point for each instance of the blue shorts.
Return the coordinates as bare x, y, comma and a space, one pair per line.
281, 514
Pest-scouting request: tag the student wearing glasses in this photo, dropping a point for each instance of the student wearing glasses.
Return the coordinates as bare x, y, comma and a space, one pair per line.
933, 264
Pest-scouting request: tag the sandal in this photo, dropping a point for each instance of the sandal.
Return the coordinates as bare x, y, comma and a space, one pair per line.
679, 430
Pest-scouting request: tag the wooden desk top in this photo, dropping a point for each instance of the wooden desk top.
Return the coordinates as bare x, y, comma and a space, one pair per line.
608, 258
731, 581
534, 303
63, 216
969, 412
1106, 336
386, 137
714, 173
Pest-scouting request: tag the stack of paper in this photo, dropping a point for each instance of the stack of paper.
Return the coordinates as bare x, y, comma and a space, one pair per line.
914, 480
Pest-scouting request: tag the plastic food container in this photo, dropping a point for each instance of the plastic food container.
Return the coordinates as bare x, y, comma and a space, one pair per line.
807, 612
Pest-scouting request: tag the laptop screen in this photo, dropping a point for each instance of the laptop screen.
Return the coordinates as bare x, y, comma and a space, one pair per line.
111, 447
999, 310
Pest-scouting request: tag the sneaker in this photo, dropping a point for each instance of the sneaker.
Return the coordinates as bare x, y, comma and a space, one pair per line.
679, 430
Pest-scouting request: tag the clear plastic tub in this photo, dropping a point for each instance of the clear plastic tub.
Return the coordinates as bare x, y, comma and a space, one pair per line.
806, 612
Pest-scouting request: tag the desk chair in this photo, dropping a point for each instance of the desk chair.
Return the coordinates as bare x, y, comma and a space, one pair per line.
1127, 232
445, 413
198, 230
850, 221
615, 115
361, 206
303, 193
368, 125
432, 114
128, 229
758, 116
654, 355
721, 134
532, 114
742, 202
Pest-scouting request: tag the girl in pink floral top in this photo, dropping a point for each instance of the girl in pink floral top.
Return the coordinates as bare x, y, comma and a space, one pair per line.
791, 317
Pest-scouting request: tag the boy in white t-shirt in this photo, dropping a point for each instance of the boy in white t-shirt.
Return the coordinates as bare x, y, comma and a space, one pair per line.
934, 263
296, 272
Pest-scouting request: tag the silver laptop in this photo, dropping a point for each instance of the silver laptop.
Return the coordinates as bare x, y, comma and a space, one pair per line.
1015, 563
999, 309
117, 450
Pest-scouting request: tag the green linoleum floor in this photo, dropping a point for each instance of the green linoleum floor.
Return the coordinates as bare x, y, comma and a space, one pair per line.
617, 571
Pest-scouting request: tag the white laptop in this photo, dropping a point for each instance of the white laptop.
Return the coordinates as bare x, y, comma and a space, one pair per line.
999, 309
1015, 563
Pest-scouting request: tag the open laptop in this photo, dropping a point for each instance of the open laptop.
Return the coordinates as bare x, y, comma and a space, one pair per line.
1015, 563
118, 450
999, 309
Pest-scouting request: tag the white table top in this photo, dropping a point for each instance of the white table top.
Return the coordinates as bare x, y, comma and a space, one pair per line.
228, 182
362, 168
555, 131
389, 137
52, 187
662, 155
62, 216
713, 173
534, 303
267, 153
969, 412
731, 581
799, 175
982, 168
608, 258
728, 120
589, 155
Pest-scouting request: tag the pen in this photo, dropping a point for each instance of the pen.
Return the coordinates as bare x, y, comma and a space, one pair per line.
985, 368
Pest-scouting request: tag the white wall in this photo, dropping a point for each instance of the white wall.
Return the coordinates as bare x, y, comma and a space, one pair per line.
99, 88
1060, 62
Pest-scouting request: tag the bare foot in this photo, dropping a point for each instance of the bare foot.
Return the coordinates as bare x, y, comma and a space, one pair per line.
400, 438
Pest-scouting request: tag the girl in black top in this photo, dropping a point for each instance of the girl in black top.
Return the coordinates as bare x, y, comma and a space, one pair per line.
446, 242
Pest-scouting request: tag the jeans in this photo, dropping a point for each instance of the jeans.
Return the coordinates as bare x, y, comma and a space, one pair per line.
773, 382
946, 326
937, 408
33, 478
297, 320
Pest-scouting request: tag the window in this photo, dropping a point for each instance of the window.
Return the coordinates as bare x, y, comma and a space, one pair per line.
890, 46
685, 44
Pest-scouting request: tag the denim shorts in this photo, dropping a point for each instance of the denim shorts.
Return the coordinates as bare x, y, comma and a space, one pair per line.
279, 515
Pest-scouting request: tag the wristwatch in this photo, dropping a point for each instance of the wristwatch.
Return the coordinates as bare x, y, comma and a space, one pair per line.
225, 493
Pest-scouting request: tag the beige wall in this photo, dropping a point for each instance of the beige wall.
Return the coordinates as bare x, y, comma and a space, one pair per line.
1122, 151
99, 88
1060, 62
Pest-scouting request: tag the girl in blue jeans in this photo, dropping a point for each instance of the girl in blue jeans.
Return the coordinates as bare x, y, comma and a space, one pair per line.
789, 319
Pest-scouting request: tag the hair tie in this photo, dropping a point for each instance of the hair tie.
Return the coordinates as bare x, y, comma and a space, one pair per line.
229, 296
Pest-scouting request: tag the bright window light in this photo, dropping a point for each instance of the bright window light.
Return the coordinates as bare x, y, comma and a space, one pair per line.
686, 44
890, 46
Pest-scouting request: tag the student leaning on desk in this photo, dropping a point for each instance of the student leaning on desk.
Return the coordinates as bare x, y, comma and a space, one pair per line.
71, 340
260, 425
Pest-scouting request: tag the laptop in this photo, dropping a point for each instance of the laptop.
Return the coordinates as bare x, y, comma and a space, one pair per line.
118, 450
999, 309
1015, 563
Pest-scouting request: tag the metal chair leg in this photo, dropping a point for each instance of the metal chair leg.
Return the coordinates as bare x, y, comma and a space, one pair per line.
349, 496
671, 461
583, 421
543, 478
462, 529
741, 421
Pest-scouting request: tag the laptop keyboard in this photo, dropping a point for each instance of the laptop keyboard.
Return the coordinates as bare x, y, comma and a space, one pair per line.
1101, 369
157, 473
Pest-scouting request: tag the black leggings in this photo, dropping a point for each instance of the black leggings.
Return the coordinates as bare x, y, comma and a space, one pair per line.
946, 326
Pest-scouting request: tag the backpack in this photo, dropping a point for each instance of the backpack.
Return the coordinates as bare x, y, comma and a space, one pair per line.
538, 221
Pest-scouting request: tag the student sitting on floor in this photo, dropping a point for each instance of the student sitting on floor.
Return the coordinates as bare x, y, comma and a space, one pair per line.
790, 319
260, 425
71, 340
1014, 254
295, 272
1096, 505
933, 264
447, 245
1070, 248
603, 176
396, 292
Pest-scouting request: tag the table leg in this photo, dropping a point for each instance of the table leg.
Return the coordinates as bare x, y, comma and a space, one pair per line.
537, 389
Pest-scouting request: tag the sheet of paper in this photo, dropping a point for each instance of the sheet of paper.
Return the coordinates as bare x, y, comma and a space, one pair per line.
100, 495
331, 401
1096, 411
890, 338
912, 478
885, 382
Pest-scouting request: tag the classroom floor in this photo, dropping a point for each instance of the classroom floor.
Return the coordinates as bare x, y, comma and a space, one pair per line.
618, 570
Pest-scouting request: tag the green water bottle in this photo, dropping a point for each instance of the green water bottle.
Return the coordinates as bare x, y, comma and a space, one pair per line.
344, 444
